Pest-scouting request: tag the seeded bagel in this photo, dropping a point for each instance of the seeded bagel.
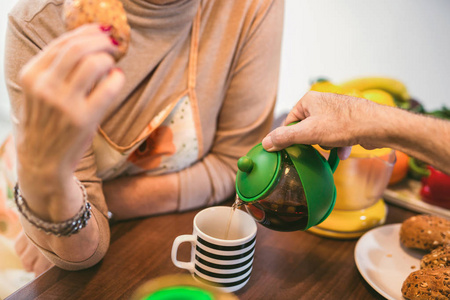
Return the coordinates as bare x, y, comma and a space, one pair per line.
109, 13
427, 284
425, 232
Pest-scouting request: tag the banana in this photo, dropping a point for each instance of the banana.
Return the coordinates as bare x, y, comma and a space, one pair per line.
328, 87
394, 87
379, 96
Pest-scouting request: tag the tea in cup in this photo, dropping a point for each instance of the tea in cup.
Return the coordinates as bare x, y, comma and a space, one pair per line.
222, 251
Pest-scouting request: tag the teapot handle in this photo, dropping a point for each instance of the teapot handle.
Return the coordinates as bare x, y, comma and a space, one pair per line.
333, 159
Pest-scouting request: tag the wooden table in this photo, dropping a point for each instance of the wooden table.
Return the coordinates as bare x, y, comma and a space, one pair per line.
287, 265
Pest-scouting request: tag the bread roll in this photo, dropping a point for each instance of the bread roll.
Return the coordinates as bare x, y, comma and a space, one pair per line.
438, 258
425, 232
427, 284
105, 12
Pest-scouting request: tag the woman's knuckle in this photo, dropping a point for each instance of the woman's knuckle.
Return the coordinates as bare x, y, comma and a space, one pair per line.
72, 49
104, 60
95, 63
109, 60
82, 121
73, 117
79, 120
108, 94
24, 78
43, 91
87, 28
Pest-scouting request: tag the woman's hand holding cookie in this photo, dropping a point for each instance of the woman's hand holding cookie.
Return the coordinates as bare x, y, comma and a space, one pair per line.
67, 90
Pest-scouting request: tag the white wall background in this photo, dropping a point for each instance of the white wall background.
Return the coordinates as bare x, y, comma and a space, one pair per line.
405, 39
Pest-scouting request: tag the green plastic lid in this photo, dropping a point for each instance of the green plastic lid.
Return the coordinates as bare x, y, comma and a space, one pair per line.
258, 172
180, 293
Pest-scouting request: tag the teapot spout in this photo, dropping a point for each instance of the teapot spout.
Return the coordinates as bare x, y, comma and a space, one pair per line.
238, 202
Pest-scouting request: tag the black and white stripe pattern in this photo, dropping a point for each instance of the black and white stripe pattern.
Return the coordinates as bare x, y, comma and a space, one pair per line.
228, 267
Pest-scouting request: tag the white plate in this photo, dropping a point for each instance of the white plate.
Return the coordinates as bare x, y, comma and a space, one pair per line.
384, 262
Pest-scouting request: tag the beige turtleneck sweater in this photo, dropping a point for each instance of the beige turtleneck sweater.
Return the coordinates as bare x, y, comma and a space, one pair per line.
220, 57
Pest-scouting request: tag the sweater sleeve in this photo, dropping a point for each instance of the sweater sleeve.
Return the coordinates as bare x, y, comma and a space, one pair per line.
246, 114
27, 34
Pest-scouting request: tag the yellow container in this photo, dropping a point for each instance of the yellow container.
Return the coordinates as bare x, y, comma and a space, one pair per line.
360, 183
362, 178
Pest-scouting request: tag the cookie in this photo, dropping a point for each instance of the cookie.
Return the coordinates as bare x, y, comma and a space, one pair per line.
438, 258
109, 13
425, 232
427, 284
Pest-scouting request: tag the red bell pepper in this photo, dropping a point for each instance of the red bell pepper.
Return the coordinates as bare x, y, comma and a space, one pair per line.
436, 188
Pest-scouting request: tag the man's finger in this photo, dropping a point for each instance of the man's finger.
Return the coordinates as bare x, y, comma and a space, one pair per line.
283, 137
294, 115
344, 152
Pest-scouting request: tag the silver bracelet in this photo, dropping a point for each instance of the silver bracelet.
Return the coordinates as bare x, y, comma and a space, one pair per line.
65, 228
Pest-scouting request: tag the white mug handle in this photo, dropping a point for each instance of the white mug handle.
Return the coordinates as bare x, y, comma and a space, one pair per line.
176, 243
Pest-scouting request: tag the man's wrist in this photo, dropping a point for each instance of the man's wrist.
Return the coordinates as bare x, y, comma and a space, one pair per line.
376, 129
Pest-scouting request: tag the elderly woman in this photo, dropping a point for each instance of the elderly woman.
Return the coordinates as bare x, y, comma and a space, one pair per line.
160, 131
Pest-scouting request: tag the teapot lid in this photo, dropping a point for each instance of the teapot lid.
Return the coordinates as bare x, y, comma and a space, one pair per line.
258, 171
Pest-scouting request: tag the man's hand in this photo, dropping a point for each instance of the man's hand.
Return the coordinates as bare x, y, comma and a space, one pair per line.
325, 119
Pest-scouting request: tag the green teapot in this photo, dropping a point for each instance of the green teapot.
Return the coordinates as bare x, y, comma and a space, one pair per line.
288, 190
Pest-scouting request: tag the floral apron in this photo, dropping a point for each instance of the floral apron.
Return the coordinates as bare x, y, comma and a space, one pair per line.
171, 141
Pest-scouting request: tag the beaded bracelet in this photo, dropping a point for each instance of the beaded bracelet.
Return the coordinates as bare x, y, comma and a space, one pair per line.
65, 228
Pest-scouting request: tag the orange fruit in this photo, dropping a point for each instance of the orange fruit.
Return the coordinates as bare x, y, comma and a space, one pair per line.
400, 168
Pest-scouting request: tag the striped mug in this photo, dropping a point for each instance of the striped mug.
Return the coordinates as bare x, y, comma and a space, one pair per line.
220, 256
